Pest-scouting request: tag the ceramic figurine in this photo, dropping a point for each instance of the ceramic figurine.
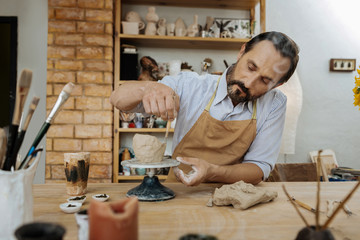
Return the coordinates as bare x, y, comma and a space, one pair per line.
180, 28
170, 29
149, 69
193, 29
152, 18
135, 17
161, 27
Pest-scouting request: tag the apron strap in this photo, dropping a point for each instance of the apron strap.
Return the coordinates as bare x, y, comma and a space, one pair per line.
212, 97
254, 110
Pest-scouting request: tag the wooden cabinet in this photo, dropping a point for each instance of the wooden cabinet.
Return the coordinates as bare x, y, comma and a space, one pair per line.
171, 42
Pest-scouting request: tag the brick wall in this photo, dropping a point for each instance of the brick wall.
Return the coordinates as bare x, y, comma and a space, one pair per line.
80, 50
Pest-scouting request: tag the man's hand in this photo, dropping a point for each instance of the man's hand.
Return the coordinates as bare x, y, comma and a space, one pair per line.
160, 100
199, 173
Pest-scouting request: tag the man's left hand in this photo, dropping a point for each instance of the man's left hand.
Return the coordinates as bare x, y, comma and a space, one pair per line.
198, 174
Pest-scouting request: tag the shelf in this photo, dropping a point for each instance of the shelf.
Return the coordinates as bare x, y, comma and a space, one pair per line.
223, 4
137, 177
182, 42
144, 130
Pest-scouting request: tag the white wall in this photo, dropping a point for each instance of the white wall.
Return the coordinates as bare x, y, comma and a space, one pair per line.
32, 54
323, 29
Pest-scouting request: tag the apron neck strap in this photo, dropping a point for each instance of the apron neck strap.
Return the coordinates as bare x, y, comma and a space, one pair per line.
213, 96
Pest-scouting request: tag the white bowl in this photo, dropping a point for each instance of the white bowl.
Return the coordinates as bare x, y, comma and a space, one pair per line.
79, 199
70, 207
98, 197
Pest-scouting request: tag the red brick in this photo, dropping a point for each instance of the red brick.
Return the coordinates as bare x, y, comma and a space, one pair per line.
54, 158
91, 27
69, 117
60, 131
100, 171
67, 144
50, 102
61, 52
91, 103
98, 117
98, 40
49, 89
98, 90
108, 77
51, 13
68, 65
89, 53
47, 172
87, 131
91, 3
69, 14
108, 53
60, 77
109, 28
107, 131
99, 15
107, 105
99, 65
77, 90
50, 38
62, 3
48, 145
102, 144
69, 39
58, 172
90, 77
109, 4
61, 26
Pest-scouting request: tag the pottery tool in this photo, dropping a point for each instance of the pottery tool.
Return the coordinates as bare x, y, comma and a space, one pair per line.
296, 208
341, 205
64, 95
22, 130
303, 205
3, 140
22, 90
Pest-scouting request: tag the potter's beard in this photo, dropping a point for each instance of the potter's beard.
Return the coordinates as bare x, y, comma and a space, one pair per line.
235, 94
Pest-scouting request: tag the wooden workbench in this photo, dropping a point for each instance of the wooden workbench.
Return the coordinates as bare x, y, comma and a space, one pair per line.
188, 213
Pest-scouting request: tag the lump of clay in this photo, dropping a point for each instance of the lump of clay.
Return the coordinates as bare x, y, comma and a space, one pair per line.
241, 195
148, 149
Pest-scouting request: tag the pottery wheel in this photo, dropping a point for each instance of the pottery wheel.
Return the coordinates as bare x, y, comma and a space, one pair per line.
151, 189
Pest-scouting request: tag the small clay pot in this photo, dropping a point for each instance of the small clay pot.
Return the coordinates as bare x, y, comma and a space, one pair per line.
310, 233
40, 231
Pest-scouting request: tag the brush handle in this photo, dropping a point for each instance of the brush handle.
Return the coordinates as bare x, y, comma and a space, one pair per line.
37, 140
10, 146
19, 140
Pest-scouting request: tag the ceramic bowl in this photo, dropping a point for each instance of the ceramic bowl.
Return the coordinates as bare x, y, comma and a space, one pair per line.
79, 199
101, 197
70, 207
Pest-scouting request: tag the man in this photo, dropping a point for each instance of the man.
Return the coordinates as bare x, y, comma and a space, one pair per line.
228, 128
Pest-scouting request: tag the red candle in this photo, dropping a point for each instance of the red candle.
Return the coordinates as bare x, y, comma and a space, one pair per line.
116, 220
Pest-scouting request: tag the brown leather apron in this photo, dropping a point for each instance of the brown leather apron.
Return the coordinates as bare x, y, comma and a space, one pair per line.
218, 142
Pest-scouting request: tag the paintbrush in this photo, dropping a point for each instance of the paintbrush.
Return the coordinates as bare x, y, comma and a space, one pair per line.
22, 90
3, 140
22, 130
63, 96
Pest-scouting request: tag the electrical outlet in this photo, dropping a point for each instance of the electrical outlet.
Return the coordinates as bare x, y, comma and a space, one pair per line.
342, 65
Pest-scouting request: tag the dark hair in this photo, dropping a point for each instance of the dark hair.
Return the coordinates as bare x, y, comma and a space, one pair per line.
285, 45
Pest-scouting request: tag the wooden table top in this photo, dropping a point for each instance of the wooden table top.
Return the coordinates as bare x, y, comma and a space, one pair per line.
188, 213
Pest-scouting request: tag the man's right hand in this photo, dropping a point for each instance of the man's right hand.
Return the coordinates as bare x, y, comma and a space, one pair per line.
160, 100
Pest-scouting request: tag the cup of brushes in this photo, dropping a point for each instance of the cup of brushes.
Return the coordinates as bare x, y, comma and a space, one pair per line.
16, 202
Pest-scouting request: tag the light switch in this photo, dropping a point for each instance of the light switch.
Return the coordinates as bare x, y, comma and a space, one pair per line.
342, 65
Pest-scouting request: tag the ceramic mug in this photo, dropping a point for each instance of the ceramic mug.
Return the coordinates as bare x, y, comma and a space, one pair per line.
130, 27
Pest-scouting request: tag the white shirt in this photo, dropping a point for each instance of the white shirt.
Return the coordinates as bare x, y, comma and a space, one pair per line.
195, 92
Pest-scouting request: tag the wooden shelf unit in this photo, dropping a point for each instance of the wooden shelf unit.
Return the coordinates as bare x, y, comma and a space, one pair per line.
171, 42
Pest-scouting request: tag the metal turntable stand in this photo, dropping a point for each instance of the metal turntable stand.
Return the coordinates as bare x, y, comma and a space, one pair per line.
150, 188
